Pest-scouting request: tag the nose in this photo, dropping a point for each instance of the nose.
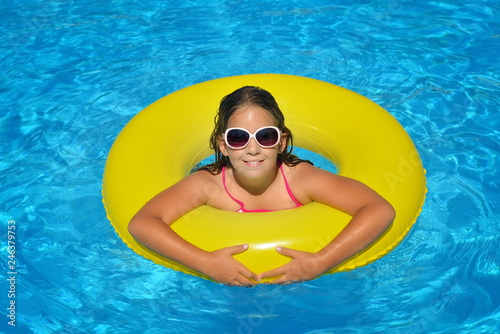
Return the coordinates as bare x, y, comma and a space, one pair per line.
253, 147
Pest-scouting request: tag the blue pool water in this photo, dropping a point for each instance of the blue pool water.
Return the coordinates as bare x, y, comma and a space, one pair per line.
73, 73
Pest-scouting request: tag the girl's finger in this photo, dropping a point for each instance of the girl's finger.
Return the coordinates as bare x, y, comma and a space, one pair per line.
271, 273
244, 281
249, 274
233, 250
289, 252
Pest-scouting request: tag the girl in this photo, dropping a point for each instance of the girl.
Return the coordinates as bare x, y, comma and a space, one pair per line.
254, 171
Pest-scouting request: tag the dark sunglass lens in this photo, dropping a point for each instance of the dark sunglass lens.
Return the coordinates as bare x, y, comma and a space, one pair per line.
237, 138
267, 137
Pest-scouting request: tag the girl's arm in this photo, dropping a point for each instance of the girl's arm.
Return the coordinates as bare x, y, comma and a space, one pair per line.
151, 227
371, 216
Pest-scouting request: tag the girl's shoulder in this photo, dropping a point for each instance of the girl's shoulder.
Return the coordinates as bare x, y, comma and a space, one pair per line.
202, 178
206, 184
304, 179
303, 171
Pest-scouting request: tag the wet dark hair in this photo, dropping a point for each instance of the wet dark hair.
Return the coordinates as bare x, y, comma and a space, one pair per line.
245, 97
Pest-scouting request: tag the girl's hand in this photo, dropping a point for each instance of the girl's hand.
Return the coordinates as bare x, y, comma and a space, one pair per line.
224, 268
304, 266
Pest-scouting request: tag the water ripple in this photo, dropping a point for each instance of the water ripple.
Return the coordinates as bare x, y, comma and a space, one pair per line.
75, 73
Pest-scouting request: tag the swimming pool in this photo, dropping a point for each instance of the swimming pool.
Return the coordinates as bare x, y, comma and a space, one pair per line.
74, 73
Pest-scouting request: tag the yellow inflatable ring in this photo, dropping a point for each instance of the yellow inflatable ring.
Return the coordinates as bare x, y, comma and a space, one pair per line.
162, 143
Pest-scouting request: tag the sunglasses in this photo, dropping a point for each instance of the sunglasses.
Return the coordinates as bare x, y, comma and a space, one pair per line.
266, 137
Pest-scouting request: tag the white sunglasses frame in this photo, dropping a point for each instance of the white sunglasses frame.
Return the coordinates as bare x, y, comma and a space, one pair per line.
252, 135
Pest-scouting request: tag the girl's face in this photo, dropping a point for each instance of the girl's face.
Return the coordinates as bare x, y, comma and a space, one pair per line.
253, 160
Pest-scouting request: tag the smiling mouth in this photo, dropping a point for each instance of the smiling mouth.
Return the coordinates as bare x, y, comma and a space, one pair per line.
253, 163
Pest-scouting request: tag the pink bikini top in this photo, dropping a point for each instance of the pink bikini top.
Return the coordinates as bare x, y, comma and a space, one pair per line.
242, 206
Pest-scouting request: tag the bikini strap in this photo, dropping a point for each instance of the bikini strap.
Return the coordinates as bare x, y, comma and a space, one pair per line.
227, 191
290, 193
242, 206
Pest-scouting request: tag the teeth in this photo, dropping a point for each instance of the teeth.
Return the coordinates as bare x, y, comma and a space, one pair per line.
253, 162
